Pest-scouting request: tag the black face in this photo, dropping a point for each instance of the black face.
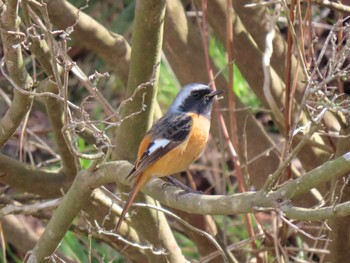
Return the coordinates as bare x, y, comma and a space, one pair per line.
199, 101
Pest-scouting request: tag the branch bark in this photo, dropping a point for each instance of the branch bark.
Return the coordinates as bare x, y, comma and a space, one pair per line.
76, 197
247, 202
11, 39
341, 193
25, 178
147, 39
231, 204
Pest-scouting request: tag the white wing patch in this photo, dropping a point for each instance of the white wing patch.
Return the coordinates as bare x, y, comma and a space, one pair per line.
156, 144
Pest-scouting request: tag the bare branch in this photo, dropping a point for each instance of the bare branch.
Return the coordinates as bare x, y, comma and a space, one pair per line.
29, 209
9, 22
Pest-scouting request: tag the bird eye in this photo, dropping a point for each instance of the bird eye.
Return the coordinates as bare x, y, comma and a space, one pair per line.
195, 94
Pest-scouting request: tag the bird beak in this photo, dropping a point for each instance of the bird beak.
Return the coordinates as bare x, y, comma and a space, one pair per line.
214, 93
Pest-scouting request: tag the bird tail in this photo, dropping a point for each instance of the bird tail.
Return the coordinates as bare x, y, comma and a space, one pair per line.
140, 181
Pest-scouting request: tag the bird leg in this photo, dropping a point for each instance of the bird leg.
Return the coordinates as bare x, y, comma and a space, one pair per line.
177, 183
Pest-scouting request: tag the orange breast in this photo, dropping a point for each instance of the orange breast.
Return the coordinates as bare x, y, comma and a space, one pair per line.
182, 156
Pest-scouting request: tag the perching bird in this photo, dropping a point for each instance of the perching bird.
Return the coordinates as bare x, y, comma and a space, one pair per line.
175, 140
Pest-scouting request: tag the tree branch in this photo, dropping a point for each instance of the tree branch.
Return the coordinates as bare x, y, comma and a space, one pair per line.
247, 202
54, 107
25, 178
71, 204
231, 204
113, 48
333, 5
147, 39
11, 40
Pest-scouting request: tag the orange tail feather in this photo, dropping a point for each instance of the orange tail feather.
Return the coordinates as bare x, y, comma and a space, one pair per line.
140, 181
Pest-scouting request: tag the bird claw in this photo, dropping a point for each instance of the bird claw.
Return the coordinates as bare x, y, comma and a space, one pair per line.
166, 184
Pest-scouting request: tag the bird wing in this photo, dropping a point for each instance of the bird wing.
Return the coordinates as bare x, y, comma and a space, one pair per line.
169, 132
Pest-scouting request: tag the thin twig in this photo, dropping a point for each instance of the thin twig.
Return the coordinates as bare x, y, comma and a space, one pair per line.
111, 233
31, 93
299, 229
288, 101
273, 177
187, 225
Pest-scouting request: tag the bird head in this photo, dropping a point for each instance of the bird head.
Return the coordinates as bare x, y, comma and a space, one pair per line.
195, 98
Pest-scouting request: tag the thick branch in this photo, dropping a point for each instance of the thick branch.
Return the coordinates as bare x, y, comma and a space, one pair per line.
247, 202
147, 41
25, 178
76, 198
48, 185
340, 194
61, 220
232, 204
323, 213
11, 39
193, 203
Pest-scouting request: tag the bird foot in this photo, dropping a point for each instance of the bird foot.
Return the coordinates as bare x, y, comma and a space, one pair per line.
177, 183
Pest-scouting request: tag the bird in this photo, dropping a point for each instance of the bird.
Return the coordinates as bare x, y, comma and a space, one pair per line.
175, 140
